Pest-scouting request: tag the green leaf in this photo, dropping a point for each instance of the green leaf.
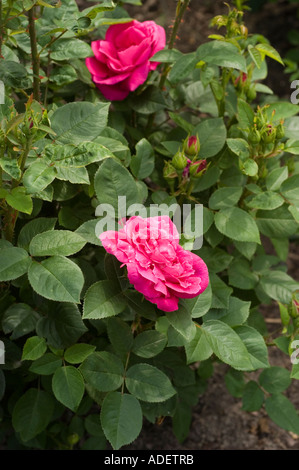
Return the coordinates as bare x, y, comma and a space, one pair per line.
282, 412
88, 231
200, 305
255, 55
279, 286
68, 386
278, 223
223, 54
241, 275
79, 121
227, 345
148, 383
103, 370
249, 167
212, 135
166, 56
32, 228
275, 379
234, 381
116, 180
32, 413
14, 263
221, 292
72, 157
181, 421
283, 110
150, 101
236, 314
13, 74
78, 353
181, 321
56, 242
267, 200
245, 114
19, 200
73, 175
2, 384
199, 348
239, 147
67, 49
253, 397
255, 345
295, 212
266, 49
56, 278
276, 177
237, 224
120, 335
45, 365
38, 176
20, 319
121, 418
34, 348
225, 197
149, 343
182, 68
62, 326
143, 163
103, 299
290, 189
11, 167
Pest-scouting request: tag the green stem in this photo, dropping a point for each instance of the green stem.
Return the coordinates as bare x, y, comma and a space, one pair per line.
182, 6
34, 54
11, 214
126, 367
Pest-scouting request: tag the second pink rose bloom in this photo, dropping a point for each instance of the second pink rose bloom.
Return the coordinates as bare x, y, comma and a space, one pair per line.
121, 62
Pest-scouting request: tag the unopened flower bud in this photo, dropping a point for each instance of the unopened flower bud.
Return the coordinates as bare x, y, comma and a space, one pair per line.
251, 93
179, 161
269, 135
192, 146
254, 136
169, 172
280, 131
244, 30
198, 168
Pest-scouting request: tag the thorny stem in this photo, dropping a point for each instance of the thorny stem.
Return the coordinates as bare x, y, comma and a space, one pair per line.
34, 54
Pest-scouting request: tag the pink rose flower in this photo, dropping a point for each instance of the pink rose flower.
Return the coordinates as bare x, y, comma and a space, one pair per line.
121, 61
157, 265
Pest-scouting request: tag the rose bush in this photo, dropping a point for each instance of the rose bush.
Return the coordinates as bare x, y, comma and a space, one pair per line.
93, 343
121, 62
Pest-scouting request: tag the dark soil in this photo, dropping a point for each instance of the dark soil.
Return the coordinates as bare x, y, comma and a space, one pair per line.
218, 421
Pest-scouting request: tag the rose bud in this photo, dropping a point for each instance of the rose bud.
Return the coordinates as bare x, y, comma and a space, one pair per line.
197, 169
191, 146
280, 131
254, 137
269, 135
169, 172
179, 161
